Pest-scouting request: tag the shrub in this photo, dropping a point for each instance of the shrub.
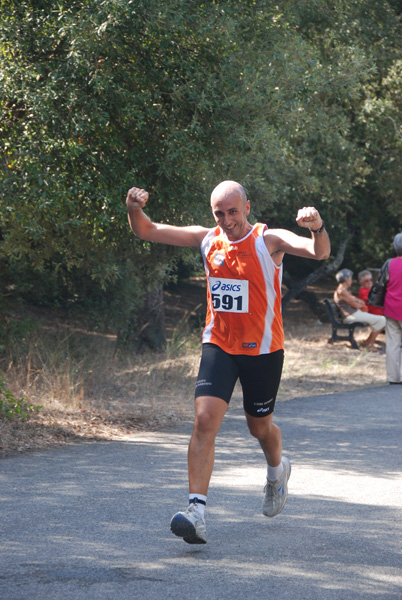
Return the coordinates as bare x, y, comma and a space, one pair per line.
11, 407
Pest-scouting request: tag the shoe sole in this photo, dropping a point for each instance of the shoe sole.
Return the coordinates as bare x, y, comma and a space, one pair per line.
182, 527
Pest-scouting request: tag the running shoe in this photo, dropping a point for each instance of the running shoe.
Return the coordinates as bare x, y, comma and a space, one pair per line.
190, 526
276, 491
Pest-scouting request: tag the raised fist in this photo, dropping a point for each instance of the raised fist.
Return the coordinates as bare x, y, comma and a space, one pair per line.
136, 198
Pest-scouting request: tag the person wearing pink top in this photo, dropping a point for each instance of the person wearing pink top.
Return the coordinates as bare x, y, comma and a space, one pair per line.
393, 313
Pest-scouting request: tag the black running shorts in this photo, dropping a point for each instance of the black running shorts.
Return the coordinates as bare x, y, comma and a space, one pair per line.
259, 377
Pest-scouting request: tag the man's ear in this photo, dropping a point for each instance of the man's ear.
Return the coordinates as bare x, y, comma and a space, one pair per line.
248, 208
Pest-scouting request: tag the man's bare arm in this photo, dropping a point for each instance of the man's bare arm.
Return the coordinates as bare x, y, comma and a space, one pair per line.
282, 241
144, 228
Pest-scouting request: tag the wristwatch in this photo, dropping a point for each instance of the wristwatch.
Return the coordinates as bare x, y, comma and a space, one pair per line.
320, 229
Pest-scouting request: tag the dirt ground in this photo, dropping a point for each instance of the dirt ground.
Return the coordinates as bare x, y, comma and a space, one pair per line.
155, 391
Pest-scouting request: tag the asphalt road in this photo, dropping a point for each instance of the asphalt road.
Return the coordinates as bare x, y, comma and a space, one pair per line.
91, 521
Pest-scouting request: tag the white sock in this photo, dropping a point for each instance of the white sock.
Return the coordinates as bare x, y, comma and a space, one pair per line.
202, 500
275, 472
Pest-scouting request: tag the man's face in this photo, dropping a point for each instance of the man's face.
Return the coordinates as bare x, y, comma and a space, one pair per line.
230, 213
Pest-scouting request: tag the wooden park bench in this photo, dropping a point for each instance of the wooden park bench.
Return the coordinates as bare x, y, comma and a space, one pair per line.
336, 322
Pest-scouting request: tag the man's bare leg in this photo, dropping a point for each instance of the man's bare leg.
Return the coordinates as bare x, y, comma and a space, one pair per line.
269, 436
270, 439
209, 412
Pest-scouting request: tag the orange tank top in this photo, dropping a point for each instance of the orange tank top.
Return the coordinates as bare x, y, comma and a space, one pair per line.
244, 294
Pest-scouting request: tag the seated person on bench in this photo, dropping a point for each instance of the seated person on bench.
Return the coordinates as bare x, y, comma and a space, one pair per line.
353, 309
365, 280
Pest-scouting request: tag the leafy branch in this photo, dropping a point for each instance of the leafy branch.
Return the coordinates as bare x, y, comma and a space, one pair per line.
11, 407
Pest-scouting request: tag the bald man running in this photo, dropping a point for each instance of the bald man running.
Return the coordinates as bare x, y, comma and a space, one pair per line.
243, 335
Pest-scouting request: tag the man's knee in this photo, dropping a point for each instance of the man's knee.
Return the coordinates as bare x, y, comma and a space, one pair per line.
204, 421
260, 428
209, 414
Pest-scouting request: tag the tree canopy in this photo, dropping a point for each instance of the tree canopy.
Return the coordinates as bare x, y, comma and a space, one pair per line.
299, 101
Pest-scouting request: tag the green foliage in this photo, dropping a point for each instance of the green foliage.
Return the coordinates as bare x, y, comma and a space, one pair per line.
299, 100
11, 407
15, 333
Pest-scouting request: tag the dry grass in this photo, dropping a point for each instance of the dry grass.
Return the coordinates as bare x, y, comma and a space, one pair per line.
314, 367
87, 391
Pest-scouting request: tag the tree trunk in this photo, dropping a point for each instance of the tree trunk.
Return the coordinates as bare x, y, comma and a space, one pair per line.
152, 330
147, 328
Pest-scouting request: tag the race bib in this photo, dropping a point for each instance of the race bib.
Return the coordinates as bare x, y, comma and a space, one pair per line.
229, 295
